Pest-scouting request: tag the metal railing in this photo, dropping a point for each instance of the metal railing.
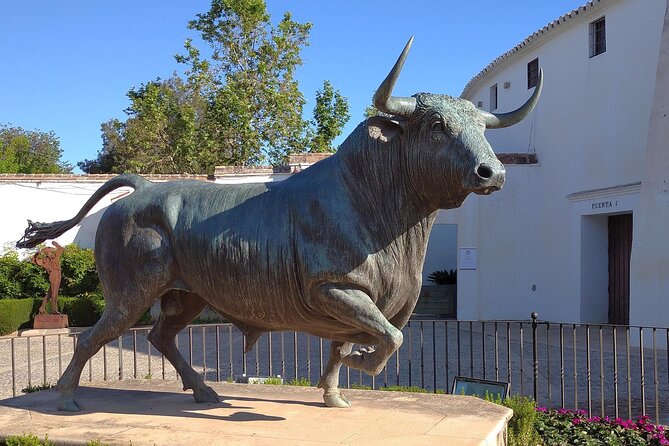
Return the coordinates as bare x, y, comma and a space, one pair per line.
617, 371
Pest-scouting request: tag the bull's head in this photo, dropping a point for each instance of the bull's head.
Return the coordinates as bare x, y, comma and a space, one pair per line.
446, 151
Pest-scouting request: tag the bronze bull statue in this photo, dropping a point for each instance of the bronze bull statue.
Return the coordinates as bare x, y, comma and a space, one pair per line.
335, 251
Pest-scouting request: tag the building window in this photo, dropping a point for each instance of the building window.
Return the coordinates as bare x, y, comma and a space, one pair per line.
532, 73
493, 97
597, 37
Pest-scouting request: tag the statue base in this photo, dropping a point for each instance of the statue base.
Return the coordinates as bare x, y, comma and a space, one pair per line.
50, 321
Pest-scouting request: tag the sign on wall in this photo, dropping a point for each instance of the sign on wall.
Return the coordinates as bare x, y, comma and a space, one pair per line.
467, 258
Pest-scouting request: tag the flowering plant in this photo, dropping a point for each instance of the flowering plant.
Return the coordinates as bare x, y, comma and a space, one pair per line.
559, 427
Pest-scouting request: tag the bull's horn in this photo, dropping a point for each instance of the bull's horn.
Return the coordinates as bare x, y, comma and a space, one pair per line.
501, 120
401, 106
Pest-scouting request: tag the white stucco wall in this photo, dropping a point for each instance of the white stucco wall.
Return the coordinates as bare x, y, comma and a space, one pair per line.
539, 236
47, 202
649, 285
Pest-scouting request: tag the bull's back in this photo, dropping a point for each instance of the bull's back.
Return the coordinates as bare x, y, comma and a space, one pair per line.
230, 244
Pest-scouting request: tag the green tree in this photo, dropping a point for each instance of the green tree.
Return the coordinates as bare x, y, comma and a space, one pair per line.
240, 106
330, 116
159, 136
370, 111
255, 105
30, 151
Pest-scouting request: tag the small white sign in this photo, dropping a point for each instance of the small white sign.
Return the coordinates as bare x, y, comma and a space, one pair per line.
467, 258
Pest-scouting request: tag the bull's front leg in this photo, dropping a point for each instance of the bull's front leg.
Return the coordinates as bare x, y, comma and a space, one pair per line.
355, 309
329, 381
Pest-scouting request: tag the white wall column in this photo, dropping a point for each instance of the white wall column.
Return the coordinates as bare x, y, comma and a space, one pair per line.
649, 268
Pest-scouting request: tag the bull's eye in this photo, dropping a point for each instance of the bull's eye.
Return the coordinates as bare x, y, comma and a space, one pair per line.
438, 126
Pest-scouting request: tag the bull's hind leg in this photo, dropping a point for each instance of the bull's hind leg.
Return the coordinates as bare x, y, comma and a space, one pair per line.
354, 308
133, 275
178, 308
329, 381
110, 326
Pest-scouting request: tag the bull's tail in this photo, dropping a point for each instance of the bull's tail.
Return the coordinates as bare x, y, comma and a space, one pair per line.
37, 233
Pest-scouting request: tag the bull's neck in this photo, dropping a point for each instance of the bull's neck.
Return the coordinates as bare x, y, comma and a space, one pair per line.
379, 181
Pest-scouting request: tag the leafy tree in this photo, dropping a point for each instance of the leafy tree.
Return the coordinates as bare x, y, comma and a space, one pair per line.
240, 106
109, 158
30, 151
159, 136
255, 105
330, 116
370, 111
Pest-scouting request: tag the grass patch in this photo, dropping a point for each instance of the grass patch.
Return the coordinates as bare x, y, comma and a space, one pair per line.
273, 381
301, 382
33, 440
410, 389
26, 440
37, 388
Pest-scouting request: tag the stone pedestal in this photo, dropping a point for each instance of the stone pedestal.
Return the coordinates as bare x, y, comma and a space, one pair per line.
155, 412
50, 321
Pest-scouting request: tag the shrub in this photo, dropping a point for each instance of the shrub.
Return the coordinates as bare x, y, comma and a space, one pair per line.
16, 314
82, 311
78, 271
20, 278
522, 426
26, 440
444, 277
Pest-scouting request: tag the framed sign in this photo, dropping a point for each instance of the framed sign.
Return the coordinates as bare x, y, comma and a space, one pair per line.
467, 258
480, 387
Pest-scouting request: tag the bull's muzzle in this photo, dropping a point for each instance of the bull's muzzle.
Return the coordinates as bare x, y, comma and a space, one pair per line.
490, 178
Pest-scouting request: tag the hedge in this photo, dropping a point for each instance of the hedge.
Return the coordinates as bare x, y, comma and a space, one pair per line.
82, 311
16, 314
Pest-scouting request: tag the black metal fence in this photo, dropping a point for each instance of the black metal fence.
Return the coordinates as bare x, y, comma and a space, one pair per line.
617, 371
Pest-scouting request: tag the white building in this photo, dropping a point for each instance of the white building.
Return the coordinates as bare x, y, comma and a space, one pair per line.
559, 237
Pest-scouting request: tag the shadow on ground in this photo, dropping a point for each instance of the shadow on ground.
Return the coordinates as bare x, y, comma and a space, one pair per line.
142, 402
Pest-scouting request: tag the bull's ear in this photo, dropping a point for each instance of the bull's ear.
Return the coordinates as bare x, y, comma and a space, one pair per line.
383, 128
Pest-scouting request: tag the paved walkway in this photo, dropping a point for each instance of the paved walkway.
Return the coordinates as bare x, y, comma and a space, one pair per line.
142, 412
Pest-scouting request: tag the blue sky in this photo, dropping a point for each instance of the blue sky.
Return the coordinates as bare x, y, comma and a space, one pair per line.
67, 65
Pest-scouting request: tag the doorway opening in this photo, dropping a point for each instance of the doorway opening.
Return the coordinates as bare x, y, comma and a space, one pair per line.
620, 251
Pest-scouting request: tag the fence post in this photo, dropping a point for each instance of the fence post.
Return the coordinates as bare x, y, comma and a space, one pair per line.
535, 362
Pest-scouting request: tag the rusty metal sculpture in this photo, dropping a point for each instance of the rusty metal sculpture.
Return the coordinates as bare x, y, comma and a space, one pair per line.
49, 259
335, 251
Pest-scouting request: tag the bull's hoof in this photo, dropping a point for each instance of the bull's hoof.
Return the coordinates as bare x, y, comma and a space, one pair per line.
206, 394
336, 400
69, 404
